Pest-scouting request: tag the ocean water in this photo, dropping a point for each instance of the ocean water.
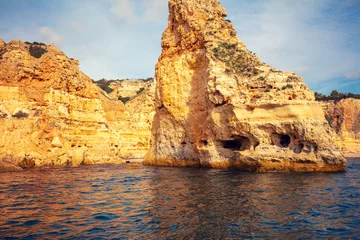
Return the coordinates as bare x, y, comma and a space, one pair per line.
112, 202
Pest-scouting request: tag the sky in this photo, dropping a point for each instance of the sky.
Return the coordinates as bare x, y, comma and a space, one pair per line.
115, 39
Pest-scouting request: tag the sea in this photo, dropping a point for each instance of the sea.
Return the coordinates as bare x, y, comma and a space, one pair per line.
116, 202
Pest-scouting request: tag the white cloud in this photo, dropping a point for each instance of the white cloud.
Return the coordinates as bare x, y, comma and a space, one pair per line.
288, 34
139, 10
123, 9
121, 38
353, 75
50, 37
154, 9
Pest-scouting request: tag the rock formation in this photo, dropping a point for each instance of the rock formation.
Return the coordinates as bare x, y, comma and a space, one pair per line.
51, 113
141, 110
344, 118
218, 105
139, 98
129, 88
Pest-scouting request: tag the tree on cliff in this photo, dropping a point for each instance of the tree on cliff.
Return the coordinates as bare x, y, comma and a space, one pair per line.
335, 96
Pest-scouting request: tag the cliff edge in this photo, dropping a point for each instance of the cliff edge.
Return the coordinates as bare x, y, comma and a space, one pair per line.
218, 105
51, 113
344, 117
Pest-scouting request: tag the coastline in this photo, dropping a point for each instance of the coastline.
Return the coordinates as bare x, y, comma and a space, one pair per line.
352, 154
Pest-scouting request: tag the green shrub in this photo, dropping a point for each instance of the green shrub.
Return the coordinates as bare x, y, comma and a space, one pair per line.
39, 43
104, 85
261, 78
124, 99
335, 96
140, 91
20, 114
106, 88
238, 60
2, 52
36, 51
287, 86
148, 79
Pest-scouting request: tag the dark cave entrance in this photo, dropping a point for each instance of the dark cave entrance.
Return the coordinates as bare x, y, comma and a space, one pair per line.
239, 144
281, 140
285, 140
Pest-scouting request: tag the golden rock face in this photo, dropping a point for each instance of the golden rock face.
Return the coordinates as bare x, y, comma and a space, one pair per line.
218, 105
51, 113
344, 118
136, 136
129, 88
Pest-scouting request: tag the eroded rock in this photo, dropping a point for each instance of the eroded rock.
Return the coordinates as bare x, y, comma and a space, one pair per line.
218, 105
50, 109
344, 118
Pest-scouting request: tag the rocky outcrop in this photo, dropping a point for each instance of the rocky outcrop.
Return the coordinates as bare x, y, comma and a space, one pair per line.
139, 98
344, 118
8, 163
51, 113
127, 89
138, 134
218, 105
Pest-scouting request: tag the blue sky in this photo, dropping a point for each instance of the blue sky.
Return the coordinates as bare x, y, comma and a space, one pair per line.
316, 39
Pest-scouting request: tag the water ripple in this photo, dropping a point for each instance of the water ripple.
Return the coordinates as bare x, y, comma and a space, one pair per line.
159, 203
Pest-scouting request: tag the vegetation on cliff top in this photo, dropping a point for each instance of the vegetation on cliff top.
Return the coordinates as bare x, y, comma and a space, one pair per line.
335, 96
237, 60
104, 85
37, 49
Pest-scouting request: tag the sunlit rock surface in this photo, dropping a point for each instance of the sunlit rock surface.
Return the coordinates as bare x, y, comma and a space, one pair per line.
344, 118
218, 105
51, 113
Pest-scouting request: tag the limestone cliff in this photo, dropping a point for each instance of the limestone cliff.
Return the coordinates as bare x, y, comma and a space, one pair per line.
218, 105
129, 88
139, 98
51, 113
344, 118
141, 110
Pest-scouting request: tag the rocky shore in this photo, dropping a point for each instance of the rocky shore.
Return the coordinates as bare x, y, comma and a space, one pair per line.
213, 104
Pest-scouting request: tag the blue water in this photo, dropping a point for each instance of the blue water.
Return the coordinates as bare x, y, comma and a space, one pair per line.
105, 202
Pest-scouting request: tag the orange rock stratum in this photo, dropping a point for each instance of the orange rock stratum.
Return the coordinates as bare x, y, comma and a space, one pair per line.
218, 105
51, 113
344, 118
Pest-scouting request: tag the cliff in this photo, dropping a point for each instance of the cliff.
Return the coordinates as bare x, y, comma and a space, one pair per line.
139, 98
141, 110
344, 118
218, 105
51, 113
127, 89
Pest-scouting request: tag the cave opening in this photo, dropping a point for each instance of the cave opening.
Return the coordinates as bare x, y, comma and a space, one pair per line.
238, 144
280, 140
285, 140
298, 148
204, 142
231, 144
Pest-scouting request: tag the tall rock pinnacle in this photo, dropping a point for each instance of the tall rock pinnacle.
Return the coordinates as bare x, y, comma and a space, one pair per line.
218, 105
